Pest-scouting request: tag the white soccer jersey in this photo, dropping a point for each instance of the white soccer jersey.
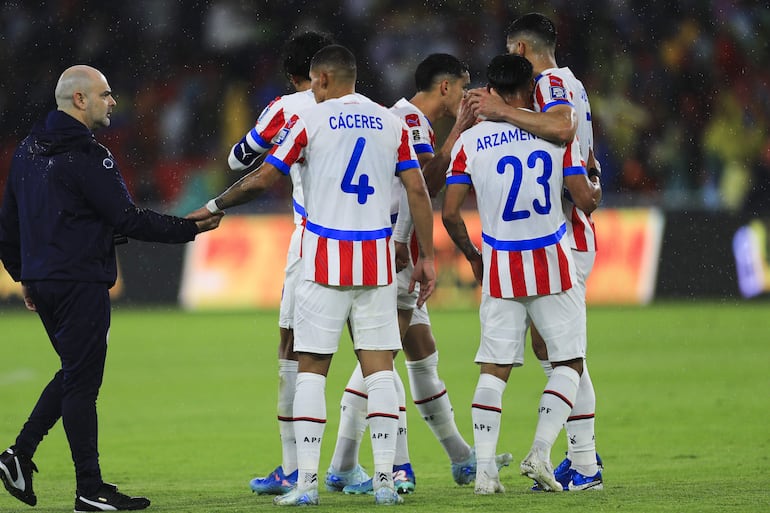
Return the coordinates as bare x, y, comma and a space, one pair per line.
423, 140
348, 150
556, 86
262, 137
518, 180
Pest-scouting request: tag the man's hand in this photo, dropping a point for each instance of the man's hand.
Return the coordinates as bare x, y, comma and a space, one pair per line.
485, 105
402, 256
28, 301
204, 219
477, 265
425, 274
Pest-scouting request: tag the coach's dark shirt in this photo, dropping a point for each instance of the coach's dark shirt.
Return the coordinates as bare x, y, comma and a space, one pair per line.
65, 200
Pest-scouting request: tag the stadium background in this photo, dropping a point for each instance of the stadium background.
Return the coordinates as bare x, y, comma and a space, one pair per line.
678, 93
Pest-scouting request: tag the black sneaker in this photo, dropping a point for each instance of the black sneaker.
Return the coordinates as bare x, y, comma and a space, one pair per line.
108, 498
16, 474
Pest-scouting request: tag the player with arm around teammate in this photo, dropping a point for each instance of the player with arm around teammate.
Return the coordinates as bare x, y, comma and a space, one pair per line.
561, 113
525, 266
349, 148
441, 81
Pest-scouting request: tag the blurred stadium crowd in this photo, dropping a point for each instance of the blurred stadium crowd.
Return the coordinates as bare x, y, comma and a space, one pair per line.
679, 90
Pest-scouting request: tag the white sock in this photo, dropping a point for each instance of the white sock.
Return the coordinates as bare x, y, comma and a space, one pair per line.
352, 423
547, 369
581, 441
287, 383
486, 412
309, 424
383, 425
402, 440
432, 401
556, 403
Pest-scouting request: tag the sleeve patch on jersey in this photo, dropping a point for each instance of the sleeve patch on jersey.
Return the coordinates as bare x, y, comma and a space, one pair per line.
558, 93
282, 135
416, 135
412, 120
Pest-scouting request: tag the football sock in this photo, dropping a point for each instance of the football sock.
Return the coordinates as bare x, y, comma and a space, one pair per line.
486, 411
383, 424
287, 381
432, 401
402, 440
547, 369
309, 424
581, 439
556, 403
352, 423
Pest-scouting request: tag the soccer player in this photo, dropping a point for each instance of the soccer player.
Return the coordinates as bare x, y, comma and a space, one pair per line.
349, 148
297, 52
441, 81
562, 113
525, 267
64, 208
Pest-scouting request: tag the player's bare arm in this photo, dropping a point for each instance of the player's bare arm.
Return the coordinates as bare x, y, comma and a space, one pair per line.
451, 215
558, 124
586, 192
244, 190
422, 216
434, 169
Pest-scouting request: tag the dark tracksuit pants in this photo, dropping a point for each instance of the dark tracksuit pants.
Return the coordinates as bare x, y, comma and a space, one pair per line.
76, 316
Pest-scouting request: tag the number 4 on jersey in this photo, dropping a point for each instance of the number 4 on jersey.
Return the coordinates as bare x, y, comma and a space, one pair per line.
362, 189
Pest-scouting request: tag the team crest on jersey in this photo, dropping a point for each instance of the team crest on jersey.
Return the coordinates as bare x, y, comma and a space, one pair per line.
412, 120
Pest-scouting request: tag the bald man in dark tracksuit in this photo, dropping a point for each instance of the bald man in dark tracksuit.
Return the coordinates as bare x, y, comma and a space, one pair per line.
64, 205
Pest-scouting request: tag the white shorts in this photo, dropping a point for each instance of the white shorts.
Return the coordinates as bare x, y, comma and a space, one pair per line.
292, 275
560, 319
408, 301
321, 313
584, 264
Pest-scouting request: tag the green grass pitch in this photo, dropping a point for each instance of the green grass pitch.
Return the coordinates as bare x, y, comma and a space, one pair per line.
187, 411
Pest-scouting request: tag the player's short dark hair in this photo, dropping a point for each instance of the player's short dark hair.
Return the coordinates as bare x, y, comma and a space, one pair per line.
337, 58
435, 66
534, 25
508, 73
300, 49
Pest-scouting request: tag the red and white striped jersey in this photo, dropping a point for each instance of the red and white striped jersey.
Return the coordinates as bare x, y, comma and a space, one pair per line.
518, 180
556, 86
423, 140
348, 149
262, 137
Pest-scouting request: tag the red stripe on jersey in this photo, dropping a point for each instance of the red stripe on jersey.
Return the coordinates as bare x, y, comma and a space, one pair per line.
540, 261
274, 126
568, 161
388, 259
346, 262
578, 231
369, 251
321, 262
494, 277
405, 147
566, 282
460, 163
516, 266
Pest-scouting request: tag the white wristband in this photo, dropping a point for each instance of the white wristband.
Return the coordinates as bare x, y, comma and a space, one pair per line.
212, 207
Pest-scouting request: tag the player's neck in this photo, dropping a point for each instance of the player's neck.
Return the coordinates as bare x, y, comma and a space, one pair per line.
428, 105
